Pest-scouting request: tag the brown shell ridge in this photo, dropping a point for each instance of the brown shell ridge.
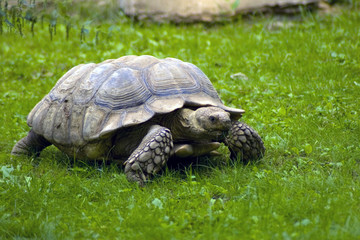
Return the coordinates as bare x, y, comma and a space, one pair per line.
67, 75
207, 86
168, 80
123, 89
75, 125
61, 124
194, 73
130, 117
88, 87
38, 113
93, 118
31, 115
69, 84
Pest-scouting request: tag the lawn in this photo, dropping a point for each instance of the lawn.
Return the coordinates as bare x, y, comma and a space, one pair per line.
302, 94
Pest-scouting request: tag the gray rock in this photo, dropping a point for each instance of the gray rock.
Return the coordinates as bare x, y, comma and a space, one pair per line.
205, 10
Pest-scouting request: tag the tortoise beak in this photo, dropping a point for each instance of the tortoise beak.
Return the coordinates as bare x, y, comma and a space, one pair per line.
225, 120
227, 124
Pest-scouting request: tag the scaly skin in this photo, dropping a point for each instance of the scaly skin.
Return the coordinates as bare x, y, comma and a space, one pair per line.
30, 145
150, 156
244, 142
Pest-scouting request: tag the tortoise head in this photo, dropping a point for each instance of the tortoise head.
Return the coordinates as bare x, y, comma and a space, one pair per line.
212, 119
202, 124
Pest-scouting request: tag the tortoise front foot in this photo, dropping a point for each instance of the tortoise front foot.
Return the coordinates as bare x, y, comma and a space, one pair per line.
245, 142
151, 155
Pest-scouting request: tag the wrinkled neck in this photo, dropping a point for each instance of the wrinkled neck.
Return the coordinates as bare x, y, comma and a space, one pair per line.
183, 125
177, 123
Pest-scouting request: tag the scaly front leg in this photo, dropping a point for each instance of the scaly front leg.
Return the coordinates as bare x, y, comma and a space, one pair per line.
150, 156
245, 142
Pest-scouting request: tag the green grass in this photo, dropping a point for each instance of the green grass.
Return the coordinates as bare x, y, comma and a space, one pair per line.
302, 95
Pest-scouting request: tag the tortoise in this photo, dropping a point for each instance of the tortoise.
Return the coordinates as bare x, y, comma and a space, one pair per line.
140, 110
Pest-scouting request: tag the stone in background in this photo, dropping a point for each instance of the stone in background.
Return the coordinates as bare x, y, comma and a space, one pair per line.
206, 10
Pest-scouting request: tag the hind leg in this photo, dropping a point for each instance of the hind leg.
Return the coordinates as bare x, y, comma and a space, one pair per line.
30, 145
150, 156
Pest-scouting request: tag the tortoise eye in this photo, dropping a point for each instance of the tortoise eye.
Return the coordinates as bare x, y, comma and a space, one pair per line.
212, 119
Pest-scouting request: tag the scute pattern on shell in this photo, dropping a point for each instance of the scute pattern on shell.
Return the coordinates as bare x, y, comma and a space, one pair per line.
92, 100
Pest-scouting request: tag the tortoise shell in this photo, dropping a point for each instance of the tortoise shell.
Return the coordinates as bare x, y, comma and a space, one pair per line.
92, 101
